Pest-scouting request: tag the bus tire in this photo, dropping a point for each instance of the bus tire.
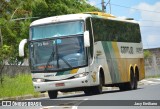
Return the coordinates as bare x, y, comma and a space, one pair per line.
135, 81
52, 94
123, 87
88, 91
131, 85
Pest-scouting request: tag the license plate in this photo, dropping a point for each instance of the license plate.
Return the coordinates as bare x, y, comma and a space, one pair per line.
59, 84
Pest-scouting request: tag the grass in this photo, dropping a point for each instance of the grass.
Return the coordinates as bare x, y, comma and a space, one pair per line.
18, 86
156, 76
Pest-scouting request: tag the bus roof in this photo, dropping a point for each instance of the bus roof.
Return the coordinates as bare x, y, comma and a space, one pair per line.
61, 18
82, 16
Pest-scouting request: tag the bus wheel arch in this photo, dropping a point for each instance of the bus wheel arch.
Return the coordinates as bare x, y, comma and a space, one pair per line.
98, 89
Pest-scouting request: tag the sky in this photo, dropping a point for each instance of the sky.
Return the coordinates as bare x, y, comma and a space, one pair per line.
146, 12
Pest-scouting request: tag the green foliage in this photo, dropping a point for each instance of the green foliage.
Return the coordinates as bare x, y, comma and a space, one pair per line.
147, 54
4, 52
59, 7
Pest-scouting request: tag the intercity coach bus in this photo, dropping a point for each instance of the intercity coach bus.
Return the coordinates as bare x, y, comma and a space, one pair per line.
84, 52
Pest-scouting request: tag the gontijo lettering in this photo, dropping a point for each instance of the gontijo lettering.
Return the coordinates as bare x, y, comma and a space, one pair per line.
126, 49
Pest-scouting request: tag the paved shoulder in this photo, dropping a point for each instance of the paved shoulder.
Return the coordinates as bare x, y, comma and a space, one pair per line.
150, 81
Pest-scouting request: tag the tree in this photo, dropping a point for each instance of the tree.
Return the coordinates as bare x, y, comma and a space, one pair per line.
4, 54
147, 54
49, 8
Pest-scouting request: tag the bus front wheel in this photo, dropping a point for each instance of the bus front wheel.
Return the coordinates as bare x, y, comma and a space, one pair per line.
95, 89
52, 94
88, 91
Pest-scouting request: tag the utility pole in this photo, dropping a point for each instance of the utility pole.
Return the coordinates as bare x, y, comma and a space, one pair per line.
109, 3
103, 6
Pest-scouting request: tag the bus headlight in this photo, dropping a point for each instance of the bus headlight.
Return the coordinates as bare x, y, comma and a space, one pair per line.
81, 75
38, 80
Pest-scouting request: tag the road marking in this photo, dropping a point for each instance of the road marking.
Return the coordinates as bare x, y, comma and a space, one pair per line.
66, 105
76, 107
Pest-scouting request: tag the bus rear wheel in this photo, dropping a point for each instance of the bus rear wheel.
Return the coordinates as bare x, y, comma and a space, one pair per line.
52, 94
129, 85
136, 81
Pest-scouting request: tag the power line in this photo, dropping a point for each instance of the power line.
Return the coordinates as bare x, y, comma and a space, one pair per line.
109, 3
97, 4
24, 18
135, 8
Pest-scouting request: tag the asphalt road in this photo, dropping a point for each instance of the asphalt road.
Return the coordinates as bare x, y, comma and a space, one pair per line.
144, 92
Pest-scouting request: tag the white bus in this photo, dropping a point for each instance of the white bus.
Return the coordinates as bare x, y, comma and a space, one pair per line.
84, 52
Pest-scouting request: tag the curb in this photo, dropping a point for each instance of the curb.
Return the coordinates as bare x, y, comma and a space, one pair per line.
29, 96
150, 81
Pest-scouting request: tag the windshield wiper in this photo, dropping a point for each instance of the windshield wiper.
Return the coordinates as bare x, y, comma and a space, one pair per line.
66, 62
49, 60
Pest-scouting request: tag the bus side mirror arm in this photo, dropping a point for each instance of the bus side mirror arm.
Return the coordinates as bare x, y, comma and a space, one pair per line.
86, 39
21, 47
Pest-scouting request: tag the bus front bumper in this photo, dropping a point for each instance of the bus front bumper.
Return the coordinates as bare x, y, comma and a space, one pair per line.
61, 84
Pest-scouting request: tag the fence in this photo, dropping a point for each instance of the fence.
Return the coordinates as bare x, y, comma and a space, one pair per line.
152, 71
14, 69
152, 66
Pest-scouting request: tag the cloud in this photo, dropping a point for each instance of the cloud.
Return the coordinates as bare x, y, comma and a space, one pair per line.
153, 38
149, 23
93, 3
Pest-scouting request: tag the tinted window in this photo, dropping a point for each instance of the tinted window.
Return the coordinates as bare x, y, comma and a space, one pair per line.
110, 30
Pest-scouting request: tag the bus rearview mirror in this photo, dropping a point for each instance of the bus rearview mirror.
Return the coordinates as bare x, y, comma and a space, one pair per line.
21, 47
86, 39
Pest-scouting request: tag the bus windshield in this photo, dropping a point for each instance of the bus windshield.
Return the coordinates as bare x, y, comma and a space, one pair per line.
57, 53
57, 29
